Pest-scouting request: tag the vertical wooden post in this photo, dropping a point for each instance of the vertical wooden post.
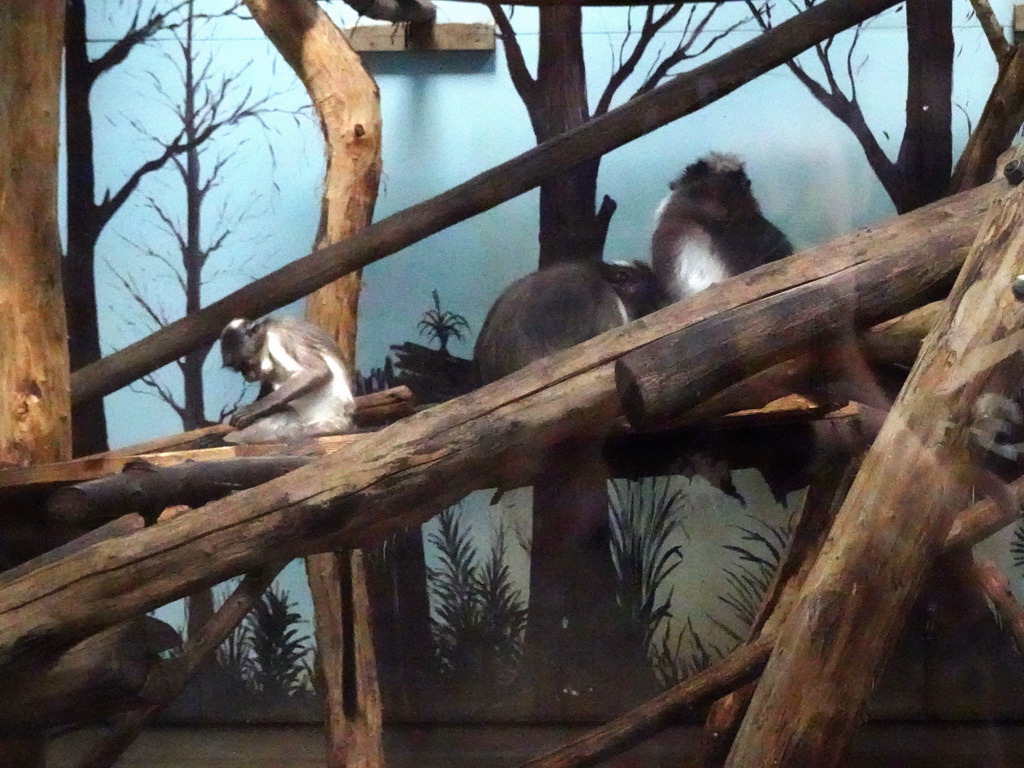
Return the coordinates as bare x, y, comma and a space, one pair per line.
347, 102
917, 475
34, 368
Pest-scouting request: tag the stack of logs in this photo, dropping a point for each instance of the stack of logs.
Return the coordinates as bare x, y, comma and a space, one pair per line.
858, 557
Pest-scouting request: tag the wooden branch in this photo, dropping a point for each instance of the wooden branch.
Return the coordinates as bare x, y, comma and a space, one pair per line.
898, 341
825, 495
167, 681
638, 724
680, 96
835, 642
409, 471
91, 680
678, 372
739, 667
998, 124
997, 588
345, 643
149, 490
370, 410
993, 31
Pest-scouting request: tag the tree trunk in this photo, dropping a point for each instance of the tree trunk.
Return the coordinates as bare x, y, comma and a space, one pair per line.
835, 642
569, 228
926, 154
347, 102
89, 421
34, 371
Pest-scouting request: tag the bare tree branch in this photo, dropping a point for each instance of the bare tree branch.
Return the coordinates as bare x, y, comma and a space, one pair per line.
521, 78
993, 31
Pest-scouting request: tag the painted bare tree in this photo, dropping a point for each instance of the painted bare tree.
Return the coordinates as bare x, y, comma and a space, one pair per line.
578, 642
207, 105
86, 217
921, 172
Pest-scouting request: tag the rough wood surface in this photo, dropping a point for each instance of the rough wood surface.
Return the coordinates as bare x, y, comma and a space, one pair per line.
150, 490
974, 524
674, 374
680, 96
835, 642
91, 680
409, 471
35, 412
166, 681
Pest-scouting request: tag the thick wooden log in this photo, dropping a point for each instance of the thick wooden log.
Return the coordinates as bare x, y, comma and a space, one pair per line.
682, 370
150, 490
680, 96
974, 524
166, 681
101, 675
380, 406
403, 474
35, 410
836, 640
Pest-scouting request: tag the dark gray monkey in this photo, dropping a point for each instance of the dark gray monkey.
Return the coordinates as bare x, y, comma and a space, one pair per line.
710, 228
558, 307
304, 385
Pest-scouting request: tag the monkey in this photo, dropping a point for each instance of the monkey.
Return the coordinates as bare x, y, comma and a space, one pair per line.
558, 307
304, 390
710, 228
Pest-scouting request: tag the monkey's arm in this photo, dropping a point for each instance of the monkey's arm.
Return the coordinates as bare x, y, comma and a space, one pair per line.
299, 383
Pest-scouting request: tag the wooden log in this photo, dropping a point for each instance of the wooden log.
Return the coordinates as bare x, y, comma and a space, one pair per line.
403, 474
680, 96
150, 490
372, 409
166, 682
898, 341
35, 411
88, 682
836, 640
973, 525
825, 495
682, 370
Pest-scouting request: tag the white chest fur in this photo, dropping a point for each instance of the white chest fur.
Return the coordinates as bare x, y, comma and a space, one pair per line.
697, 265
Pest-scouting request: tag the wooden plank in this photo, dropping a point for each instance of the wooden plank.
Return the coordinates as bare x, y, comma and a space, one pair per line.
94, 467
396, 38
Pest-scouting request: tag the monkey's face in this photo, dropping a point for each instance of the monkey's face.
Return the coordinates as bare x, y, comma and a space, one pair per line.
635, 284
241, 344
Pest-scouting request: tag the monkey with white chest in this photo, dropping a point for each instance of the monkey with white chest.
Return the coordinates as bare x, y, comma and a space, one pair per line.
304, 390
710, 228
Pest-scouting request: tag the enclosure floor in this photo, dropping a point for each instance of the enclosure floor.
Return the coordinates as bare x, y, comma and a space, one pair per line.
877, 746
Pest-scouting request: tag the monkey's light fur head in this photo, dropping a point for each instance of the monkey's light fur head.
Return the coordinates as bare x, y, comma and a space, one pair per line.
239, 347
714, 164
